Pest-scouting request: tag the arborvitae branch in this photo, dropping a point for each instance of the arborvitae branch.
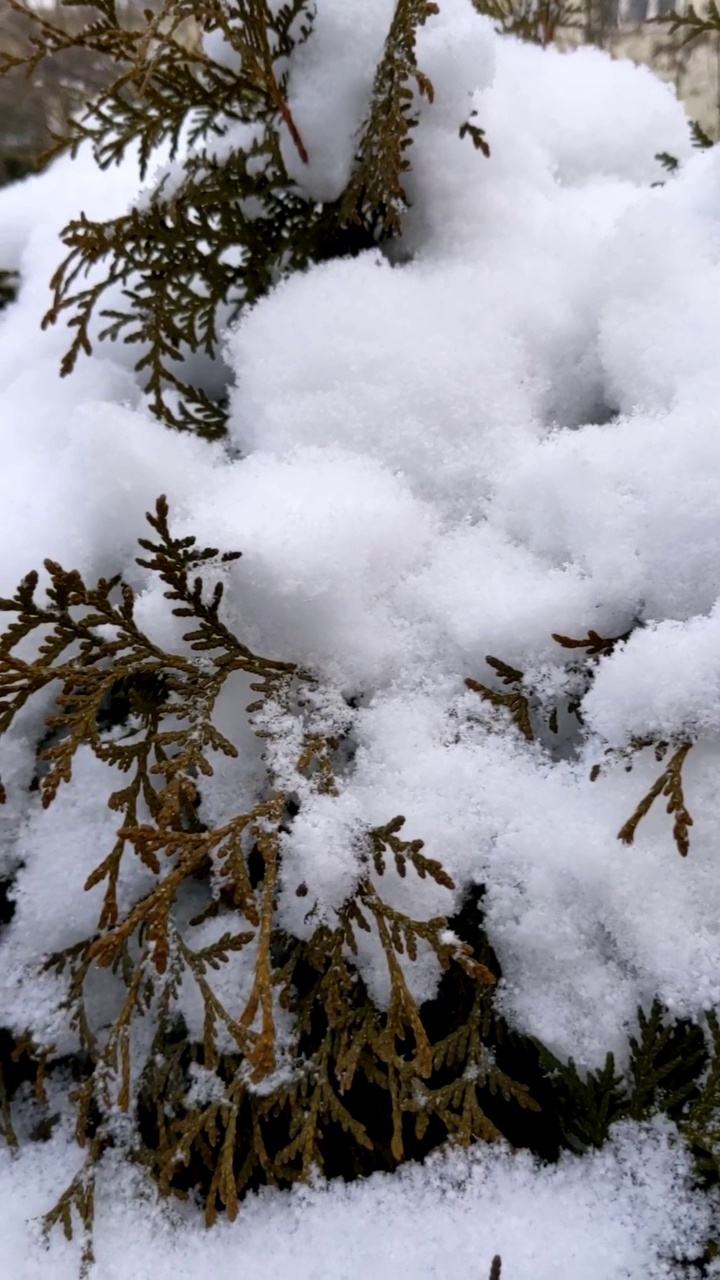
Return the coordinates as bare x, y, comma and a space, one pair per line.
670, 163
375, 195
595, 645
666, 1061
588, 1103
537, 21
700, 138
279, 1086
692, 24
198, 248
210, 242
670, 785
516, 702
701, 1122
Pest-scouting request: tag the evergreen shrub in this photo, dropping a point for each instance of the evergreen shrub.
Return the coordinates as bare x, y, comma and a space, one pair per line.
300, 1065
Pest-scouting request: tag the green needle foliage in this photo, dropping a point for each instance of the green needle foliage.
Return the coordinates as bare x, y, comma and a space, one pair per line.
667, 1074
220, 228
537, 21
691, 24
8, 288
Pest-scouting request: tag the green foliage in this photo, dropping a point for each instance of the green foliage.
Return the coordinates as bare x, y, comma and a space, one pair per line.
667, 1060
691, 24
588, 1104
211, 239
700, 138
666, 1075
537, 21
375, 196
670, 164
8, 287
701, 1118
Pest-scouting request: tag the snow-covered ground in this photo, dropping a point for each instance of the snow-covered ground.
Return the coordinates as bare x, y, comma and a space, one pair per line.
512, 430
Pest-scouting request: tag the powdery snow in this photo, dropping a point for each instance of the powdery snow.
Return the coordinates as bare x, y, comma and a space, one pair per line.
624, 1212
506, 428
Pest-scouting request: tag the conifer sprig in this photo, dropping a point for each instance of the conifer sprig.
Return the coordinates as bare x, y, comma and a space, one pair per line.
216, 238
691, 24
375, 195
670, 785
536, 21
519, 701
515, 701
282, 1064
216, 233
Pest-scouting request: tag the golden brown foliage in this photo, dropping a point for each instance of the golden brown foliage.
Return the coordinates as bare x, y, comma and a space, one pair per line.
518, 701
515, 701
670, 785
294, 1061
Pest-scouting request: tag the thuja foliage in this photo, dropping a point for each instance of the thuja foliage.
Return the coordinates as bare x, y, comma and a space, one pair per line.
537, 21
668, 1073
221, 227
700, 140
8, 287
690, 23
300, 1064
294, 1066
673, 1070
534, 719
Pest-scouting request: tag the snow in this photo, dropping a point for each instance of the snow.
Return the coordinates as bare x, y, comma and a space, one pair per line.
329, 90
506, 428
625, 1211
